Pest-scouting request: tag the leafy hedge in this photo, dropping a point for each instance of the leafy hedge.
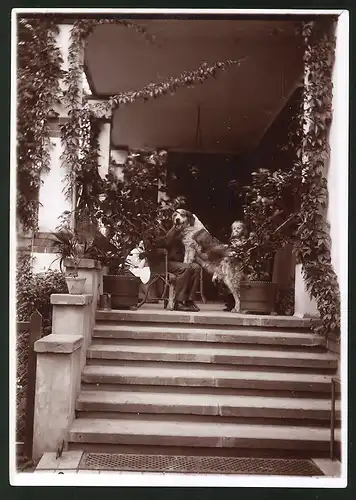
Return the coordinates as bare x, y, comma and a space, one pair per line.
34, 292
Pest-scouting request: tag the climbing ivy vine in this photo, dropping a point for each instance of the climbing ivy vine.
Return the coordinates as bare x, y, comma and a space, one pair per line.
38, 75
313, 242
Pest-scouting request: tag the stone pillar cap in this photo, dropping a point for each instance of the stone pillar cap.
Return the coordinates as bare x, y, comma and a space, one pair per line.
60, 344
66, 299
84, 264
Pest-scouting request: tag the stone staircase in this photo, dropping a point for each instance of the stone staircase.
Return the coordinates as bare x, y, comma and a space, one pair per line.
204, 383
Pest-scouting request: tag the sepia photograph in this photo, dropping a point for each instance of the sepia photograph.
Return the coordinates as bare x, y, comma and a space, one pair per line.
179, 247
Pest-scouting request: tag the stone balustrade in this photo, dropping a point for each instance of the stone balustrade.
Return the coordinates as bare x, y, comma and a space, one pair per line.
72, 315
61, 357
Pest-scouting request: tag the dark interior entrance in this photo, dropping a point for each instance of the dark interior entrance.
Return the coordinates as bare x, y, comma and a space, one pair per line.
205, 181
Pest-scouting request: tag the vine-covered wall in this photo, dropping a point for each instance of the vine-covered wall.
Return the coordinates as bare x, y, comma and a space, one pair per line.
313, 243
38, 75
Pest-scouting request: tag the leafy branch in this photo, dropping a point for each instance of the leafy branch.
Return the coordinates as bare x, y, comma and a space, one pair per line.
169, 86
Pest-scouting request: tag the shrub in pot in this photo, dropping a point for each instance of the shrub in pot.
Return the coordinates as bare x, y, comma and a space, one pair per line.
258, 293
271, 202
130, 213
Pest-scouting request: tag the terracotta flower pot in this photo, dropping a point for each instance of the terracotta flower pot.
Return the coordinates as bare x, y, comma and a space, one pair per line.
258, 296
75, 285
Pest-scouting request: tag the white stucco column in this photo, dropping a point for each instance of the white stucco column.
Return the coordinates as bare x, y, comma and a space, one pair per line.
337, 171
51, 195
104, 137
304, 304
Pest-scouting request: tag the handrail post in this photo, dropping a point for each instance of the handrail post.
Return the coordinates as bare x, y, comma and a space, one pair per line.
34, 335
334, 381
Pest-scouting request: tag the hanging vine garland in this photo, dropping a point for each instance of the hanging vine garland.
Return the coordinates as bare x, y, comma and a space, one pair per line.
313, 244
38, 75
170, 86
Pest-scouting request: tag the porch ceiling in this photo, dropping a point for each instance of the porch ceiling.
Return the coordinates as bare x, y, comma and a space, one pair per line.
236, 108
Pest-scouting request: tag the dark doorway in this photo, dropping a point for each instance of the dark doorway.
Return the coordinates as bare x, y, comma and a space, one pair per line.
205, 181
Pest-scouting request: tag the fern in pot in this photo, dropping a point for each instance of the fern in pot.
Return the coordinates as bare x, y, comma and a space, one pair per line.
73, 246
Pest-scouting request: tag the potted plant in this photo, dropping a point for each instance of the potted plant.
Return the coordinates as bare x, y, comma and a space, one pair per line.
73, 246
269, 215
131, 214
70, 246
257, 292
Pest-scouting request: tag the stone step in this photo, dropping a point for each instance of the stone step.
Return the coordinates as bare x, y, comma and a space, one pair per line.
207, 317
185, 376
177, 433
185, 333
207, 353
224, 405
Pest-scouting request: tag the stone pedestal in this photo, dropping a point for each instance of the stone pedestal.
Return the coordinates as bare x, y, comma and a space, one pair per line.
92, 271
72, 315
57, 386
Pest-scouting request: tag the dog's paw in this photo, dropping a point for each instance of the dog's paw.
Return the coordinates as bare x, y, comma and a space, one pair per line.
237, 311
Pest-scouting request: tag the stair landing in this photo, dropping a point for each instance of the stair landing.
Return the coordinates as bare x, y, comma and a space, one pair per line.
209, 314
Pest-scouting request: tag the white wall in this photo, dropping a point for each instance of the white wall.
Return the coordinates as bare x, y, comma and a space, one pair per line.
45, 261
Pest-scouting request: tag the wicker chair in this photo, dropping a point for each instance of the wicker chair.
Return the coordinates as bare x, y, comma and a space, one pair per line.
168, 279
